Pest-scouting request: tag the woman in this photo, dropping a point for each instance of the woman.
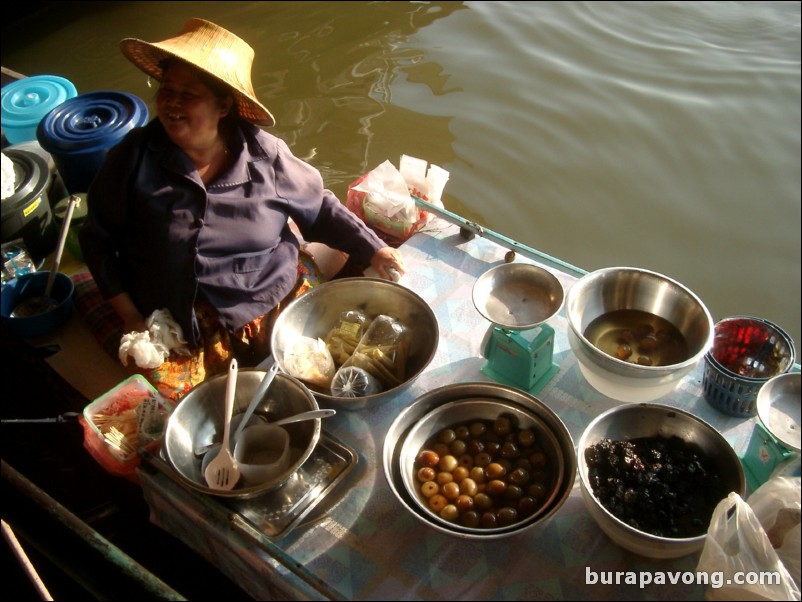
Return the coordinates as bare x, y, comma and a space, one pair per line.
191, 213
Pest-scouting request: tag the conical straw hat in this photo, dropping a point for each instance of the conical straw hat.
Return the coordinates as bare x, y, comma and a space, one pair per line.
212, 49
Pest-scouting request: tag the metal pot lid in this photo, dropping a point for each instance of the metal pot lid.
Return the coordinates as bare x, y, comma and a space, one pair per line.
778, 407
26, 101
518, 296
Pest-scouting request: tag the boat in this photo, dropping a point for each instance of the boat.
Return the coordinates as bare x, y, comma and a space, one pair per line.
112, 537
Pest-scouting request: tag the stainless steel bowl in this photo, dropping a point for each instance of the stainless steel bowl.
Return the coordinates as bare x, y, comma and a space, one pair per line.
627, 422
620, 288
465, 412
198, 420
400, 441
518, 295
778, 407
316, 312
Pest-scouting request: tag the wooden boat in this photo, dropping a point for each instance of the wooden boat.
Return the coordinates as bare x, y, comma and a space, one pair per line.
88, 531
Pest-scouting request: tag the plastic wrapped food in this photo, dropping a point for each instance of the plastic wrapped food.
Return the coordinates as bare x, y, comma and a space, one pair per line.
343, 338
309, 360
382, 353
351, 381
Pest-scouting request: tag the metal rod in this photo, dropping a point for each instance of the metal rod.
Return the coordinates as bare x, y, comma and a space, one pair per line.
499, 239
65, 417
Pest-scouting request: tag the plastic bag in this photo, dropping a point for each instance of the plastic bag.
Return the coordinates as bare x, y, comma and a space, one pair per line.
776, 504
342, 340
309, 360
381, 353
738, 549
351, 381
384, 198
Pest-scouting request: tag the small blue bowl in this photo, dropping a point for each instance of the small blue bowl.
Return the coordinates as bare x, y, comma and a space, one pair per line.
33, 285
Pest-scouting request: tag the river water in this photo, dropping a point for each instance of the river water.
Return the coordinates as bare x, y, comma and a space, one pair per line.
663, 135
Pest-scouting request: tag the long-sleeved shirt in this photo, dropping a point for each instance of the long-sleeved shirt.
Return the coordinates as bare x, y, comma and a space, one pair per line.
155, 231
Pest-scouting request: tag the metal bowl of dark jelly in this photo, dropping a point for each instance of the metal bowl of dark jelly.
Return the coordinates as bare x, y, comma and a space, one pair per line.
689, 466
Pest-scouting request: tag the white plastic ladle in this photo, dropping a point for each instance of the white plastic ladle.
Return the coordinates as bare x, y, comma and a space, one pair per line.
223, 472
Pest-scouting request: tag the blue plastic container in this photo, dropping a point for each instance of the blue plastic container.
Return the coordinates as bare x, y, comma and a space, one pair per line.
33, 285
26, 101
79, 132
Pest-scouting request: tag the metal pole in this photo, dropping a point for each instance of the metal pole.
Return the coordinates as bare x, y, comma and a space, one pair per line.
468, 229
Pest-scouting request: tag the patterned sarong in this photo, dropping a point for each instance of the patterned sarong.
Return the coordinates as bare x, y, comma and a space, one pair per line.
176, 376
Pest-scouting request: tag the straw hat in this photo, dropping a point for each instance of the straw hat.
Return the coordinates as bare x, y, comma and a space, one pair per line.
212, 49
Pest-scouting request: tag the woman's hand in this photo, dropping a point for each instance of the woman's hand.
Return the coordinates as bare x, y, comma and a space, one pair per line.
125, 308
387, 259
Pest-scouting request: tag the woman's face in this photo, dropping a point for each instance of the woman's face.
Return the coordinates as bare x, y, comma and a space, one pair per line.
187, 108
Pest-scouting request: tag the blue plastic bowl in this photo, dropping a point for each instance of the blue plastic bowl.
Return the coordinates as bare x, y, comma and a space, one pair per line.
33, 285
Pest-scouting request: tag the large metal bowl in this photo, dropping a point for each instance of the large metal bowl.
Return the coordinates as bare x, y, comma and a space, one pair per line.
317, 311
444, 403
628, 422
465, 412
198, 420
623, 288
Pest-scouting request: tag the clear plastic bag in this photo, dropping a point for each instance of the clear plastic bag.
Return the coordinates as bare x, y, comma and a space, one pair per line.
776, 504
351, 381
309, 360
738, 549
381, 353
342, 340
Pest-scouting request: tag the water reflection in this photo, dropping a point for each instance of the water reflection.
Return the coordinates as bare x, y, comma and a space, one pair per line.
658, 134
335, 106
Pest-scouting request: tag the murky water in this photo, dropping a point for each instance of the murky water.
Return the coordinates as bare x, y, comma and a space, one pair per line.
663, 135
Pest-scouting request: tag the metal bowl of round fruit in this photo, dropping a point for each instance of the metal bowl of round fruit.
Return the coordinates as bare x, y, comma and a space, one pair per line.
480, 461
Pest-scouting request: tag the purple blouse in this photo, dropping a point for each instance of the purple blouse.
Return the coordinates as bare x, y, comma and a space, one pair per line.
155, 231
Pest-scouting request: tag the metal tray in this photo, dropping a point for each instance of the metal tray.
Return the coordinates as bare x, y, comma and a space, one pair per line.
275, 514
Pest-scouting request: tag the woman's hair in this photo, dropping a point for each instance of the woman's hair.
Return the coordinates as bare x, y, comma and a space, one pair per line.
220, 89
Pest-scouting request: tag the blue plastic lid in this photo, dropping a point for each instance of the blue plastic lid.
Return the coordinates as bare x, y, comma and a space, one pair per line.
27, 100
91, 122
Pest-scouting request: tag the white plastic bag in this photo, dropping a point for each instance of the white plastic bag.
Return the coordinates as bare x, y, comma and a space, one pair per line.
388, 194
309, 360
777, 505
384, 198
738, 549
